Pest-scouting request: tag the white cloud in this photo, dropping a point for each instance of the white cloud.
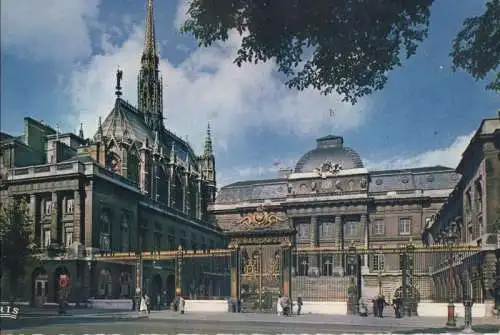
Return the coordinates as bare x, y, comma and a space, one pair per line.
208, 86
448, 156
49, 29
181, 15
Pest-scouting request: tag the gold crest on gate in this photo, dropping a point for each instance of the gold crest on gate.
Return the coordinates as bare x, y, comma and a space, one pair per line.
260, 219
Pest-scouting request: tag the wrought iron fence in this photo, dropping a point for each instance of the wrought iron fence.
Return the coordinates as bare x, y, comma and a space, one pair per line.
206, 275
425, 274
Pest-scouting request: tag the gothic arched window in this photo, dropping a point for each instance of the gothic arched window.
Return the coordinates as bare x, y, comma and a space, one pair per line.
113, 162
105, 231
133, 167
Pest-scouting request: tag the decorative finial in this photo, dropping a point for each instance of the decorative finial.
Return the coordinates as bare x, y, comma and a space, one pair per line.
119, 77
99, 129
150, 39
156, 144
80, 133
208, 142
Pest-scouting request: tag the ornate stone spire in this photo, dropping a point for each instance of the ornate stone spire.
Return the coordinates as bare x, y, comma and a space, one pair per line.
149, 83
208, 143
80, 133
150, 39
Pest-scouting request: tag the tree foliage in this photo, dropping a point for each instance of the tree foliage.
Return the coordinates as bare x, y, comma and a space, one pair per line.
15, 239
476, 48
344, 46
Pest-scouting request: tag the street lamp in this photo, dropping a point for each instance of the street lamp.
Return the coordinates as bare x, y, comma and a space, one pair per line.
353, 289
450, 239
179, 259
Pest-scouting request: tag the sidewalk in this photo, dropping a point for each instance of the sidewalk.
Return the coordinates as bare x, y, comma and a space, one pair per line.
354, 320
80, 312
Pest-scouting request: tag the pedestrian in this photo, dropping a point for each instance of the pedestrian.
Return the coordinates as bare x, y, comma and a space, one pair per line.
143, 307
182, 303
363, 309
299, 304
158, 302
279, 306
148, 303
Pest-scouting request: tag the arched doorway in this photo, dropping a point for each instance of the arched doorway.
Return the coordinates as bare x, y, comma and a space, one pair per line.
39, 287
60, 292
170, 288
105, 284
156, 287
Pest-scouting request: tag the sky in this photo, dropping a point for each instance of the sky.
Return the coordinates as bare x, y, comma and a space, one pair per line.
59, 60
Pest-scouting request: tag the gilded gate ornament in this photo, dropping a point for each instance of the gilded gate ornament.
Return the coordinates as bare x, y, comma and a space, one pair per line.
260, 219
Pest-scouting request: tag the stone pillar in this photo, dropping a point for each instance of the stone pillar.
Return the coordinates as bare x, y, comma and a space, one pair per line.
185, 193
489, 278
286, 269
366, 231
169, 184
88, 208
143, 170
313, 258
54, 226
77, 216
33, 213
124, 163
198, 197
338, 230
235, 278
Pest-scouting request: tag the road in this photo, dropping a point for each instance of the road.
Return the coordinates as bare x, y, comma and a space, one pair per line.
206, 323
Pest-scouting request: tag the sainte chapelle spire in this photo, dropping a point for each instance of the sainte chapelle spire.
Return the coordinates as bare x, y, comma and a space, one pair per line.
149, 83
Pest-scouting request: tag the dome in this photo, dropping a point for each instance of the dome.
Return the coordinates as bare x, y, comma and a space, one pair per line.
329, 149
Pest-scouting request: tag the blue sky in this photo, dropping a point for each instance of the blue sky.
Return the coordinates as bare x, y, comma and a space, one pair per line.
59, 62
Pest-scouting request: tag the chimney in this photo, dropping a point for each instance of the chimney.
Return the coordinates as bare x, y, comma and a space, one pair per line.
284, 173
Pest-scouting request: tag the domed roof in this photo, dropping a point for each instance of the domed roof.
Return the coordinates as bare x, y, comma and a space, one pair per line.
329, 149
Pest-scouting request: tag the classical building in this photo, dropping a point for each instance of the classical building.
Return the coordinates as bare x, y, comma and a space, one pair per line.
331, 201
471, 215
133, 186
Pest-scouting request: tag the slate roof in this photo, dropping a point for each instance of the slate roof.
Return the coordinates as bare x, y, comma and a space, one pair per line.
383, 181
125, 122
329, 148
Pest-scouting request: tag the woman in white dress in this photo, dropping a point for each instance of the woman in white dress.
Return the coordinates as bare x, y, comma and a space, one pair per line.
143, 308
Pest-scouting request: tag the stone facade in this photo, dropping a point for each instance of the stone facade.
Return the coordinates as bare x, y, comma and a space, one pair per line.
472, 214
132, 186
331, 201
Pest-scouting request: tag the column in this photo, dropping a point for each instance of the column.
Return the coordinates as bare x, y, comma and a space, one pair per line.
286, 269
54, 226
364, 223
33, 213
170, 184
337, 230
489, 278
235, 277
88, 208
77, 216
198, 197
313, 258
185, 186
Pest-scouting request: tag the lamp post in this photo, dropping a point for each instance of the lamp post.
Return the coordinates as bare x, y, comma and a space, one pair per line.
353, 290
450, 239
179, 261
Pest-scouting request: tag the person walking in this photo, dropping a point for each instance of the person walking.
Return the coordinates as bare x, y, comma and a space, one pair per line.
143, 307
299, 305
148, 303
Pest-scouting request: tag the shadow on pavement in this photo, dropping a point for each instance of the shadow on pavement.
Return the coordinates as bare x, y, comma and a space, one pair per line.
9, 324
481, 329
